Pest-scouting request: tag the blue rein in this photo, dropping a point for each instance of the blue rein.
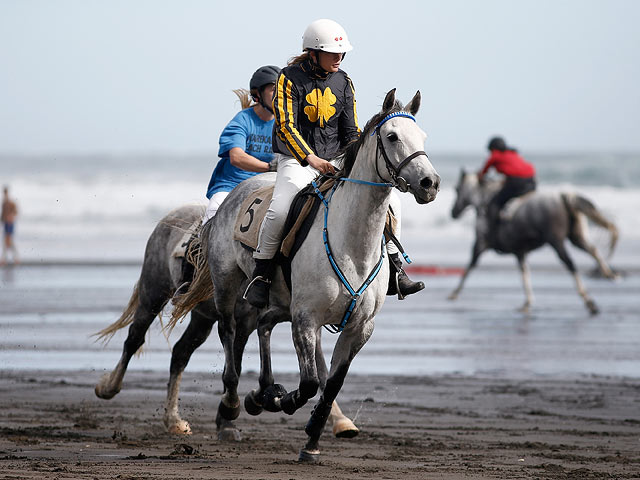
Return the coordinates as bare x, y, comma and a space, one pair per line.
355, 294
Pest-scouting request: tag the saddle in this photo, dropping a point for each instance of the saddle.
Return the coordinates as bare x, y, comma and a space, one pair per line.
302, 212
511, 207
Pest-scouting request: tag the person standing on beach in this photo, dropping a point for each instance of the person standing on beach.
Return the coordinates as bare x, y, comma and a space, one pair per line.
315, 116
9, 215
519, 177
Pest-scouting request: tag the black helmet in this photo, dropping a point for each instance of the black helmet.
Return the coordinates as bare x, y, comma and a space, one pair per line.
264, 76
497, 143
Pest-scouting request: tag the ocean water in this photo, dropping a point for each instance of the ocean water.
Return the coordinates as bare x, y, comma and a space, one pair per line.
49, 314
102, 208
84, 222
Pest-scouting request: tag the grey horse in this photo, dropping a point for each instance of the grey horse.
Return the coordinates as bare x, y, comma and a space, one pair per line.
536, 219
159, 278
388, 154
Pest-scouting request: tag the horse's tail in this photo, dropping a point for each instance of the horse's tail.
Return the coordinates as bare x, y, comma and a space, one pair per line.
201, 288
125, 319
577, 204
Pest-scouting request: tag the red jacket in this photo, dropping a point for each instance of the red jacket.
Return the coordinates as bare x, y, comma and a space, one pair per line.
509, 163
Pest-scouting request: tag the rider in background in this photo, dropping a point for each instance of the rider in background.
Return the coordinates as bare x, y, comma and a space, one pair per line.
519, 176
245, 143
315, 117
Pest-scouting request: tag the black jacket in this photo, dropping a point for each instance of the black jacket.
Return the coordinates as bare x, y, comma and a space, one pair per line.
315, 112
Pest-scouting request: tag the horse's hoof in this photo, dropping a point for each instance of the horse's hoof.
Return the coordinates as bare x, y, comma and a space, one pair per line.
229, 434
180, 427
309, 456
593, 308
251, 405
271, 397
228, 413
104, 393
345, 428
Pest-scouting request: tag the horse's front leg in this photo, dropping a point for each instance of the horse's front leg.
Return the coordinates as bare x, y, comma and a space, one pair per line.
348, 345
196, 333
264, 397
304, 332
526, 283
343, 427
229, 406
478, 248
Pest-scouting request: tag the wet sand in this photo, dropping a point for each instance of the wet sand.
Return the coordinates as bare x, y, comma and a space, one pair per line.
465, 390
443, 427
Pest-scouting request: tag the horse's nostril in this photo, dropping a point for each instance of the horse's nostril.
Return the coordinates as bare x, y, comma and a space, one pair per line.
430, 182
426, 183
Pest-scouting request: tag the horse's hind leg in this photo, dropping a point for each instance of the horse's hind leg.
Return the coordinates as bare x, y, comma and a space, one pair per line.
195, 335
145, 312
566, 259
578, 238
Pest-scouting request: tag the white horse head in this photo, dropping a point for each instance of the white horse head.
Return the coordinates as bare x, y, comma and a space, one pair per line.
400, 159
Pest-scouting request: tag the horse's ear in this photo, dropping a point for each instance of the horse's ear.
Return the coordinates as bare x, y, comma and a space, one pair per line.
414, 105
389, 100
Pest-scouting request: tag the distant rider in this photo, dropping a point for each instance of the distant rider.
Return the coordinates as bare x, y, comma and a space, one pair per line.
519, 177
315, 116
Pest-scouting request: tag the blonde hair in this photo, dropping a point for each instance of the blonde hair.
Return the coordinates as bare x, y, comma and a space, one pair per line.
245, 97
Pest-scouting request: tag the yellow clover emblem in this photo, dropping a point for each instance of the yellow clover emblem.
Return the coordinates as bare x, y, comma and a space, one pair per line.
320, 105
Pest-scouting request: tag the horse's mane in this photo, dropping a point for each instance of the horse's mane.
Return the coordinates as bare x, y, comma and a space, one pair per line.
350, 151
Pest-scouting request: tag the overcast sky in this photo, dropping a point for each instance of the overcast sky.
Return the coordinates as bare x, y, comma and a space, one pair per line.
156, 76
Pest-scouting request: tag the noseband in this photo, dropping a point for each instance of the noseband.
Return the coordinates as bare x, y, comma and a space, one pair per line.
399, 182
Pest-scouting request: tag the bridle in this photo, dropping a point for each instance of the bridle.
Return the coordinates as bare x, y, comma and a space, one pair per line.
396, 180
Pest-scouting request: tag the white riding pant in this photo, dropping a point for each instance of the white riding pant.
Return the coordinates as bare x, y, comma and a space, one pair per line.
214, 203
293, 177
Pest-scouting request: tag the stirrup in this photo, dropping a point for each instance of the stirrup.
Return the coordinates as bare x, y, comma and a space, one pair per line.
256, 279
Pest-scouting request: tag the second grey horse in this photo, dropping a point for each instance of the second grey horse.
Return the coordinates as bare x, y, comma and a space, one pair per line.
539, 219
159, 278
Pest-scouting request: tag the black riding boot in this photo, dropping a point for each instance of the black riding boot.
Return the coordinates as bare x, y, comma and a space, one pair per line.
257, 293
186, 277
399, 282
187, 271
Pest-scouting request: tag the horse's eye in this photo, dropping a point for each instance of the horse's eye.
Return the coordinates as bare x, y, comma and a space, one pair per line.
392, 137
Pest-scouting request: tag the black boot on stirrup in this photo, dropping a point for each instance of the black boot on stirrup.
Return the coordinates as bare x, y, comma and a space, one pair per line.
257, 292
187, 270
399, 282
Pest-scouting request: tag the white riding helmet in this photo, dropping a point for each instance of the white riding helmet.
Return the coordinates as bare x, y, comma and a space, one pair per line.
326, 35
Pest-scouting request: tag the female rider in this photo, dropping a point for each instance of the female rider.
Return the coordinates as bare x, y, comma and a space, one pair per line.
245, 143
245, 149
315, 116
